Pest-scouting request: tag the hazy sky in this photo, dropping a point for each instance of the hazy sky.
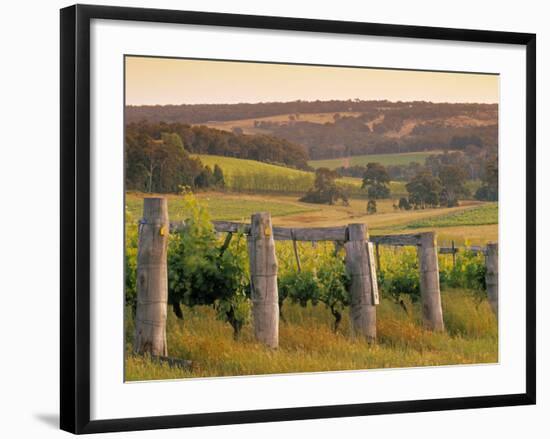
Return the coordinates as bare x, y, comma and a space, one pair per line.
180, 81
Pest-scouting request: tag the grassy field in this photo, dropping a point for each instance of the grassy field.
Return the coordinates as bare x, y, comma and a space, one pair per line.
386, 159
478, 216
307, 342
222, 206
232, 166
243, 175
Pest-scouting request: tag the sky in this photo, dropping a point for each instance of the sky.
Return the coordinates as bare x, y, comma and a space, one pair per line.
161, 81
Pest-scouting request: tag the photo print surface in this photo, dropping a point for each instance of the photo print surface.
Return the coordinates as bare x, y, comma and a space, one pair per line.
288, 218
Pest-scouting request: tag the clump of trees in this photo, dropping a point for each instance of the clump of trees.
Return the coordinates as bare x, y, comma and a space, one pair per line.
205, 140
424, 190
428, 190
325, 190
210, 179
163, 165
453, 179
346, 134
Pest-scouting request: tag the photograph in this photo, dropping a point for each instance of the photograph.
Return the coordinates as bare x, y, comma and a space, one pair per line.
294, 218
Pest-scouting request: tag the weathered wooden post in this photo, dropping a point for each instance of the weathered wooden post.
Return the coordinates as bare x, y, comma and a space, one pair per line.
432, 313
363, 308
152, 279
491, 276
263, 277
453, 249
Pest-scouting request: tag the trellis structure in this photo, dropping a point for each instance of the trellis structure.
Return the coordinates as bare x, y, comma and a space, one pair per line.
261, 237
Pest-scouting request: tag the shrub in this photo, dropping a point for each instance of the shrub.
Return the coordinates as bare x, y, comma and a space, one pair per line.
130, 264
328, 284
201, 272
399, 276
468, 272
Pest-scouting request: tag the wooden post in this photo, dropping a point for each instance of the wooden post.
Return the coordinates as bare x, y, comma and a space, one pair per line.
362, 309
491, 276
453, 249
338, 245
432, 313
263, 278
152, 279
296, 254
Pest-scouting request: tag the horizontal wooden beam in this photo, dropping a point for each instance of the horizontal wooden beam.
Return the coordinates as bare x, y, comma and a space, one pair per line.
310, 234
338, 233
397, 240
232, 227
451, 250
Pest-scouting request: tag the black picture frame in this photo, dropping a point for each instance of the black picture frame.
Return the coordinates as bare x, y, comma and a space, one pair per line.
75, 217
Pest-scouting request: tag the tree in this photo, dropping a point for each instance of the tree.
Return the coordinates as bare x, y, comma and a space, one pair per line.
404, 204
452, 178
325, 190
489, 189
218, 178
376, 180
424, 190
371, 207
205, 178
157, 164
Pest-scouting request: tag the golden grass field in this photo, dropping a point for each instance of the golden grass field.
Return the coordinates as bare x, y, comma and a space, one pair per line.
307, 343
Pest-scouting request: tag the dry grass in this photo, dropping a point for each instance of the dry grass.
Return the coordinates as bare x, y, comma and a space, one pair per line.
307, 344
247, 125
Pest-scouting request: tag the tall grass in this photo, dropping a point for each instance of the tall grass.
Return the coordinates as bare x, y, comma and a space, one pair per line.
307, 343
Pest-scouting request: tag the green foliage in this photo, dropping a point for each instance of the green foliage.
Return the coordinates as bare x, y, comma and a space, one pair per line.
218, 177
334, 285
453, 179
404, 204
157, 164
200, 272
376, 181
302, 288
424, 190
205, 178
399, 275
325, 190
130, 262
327, 283
468, 272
